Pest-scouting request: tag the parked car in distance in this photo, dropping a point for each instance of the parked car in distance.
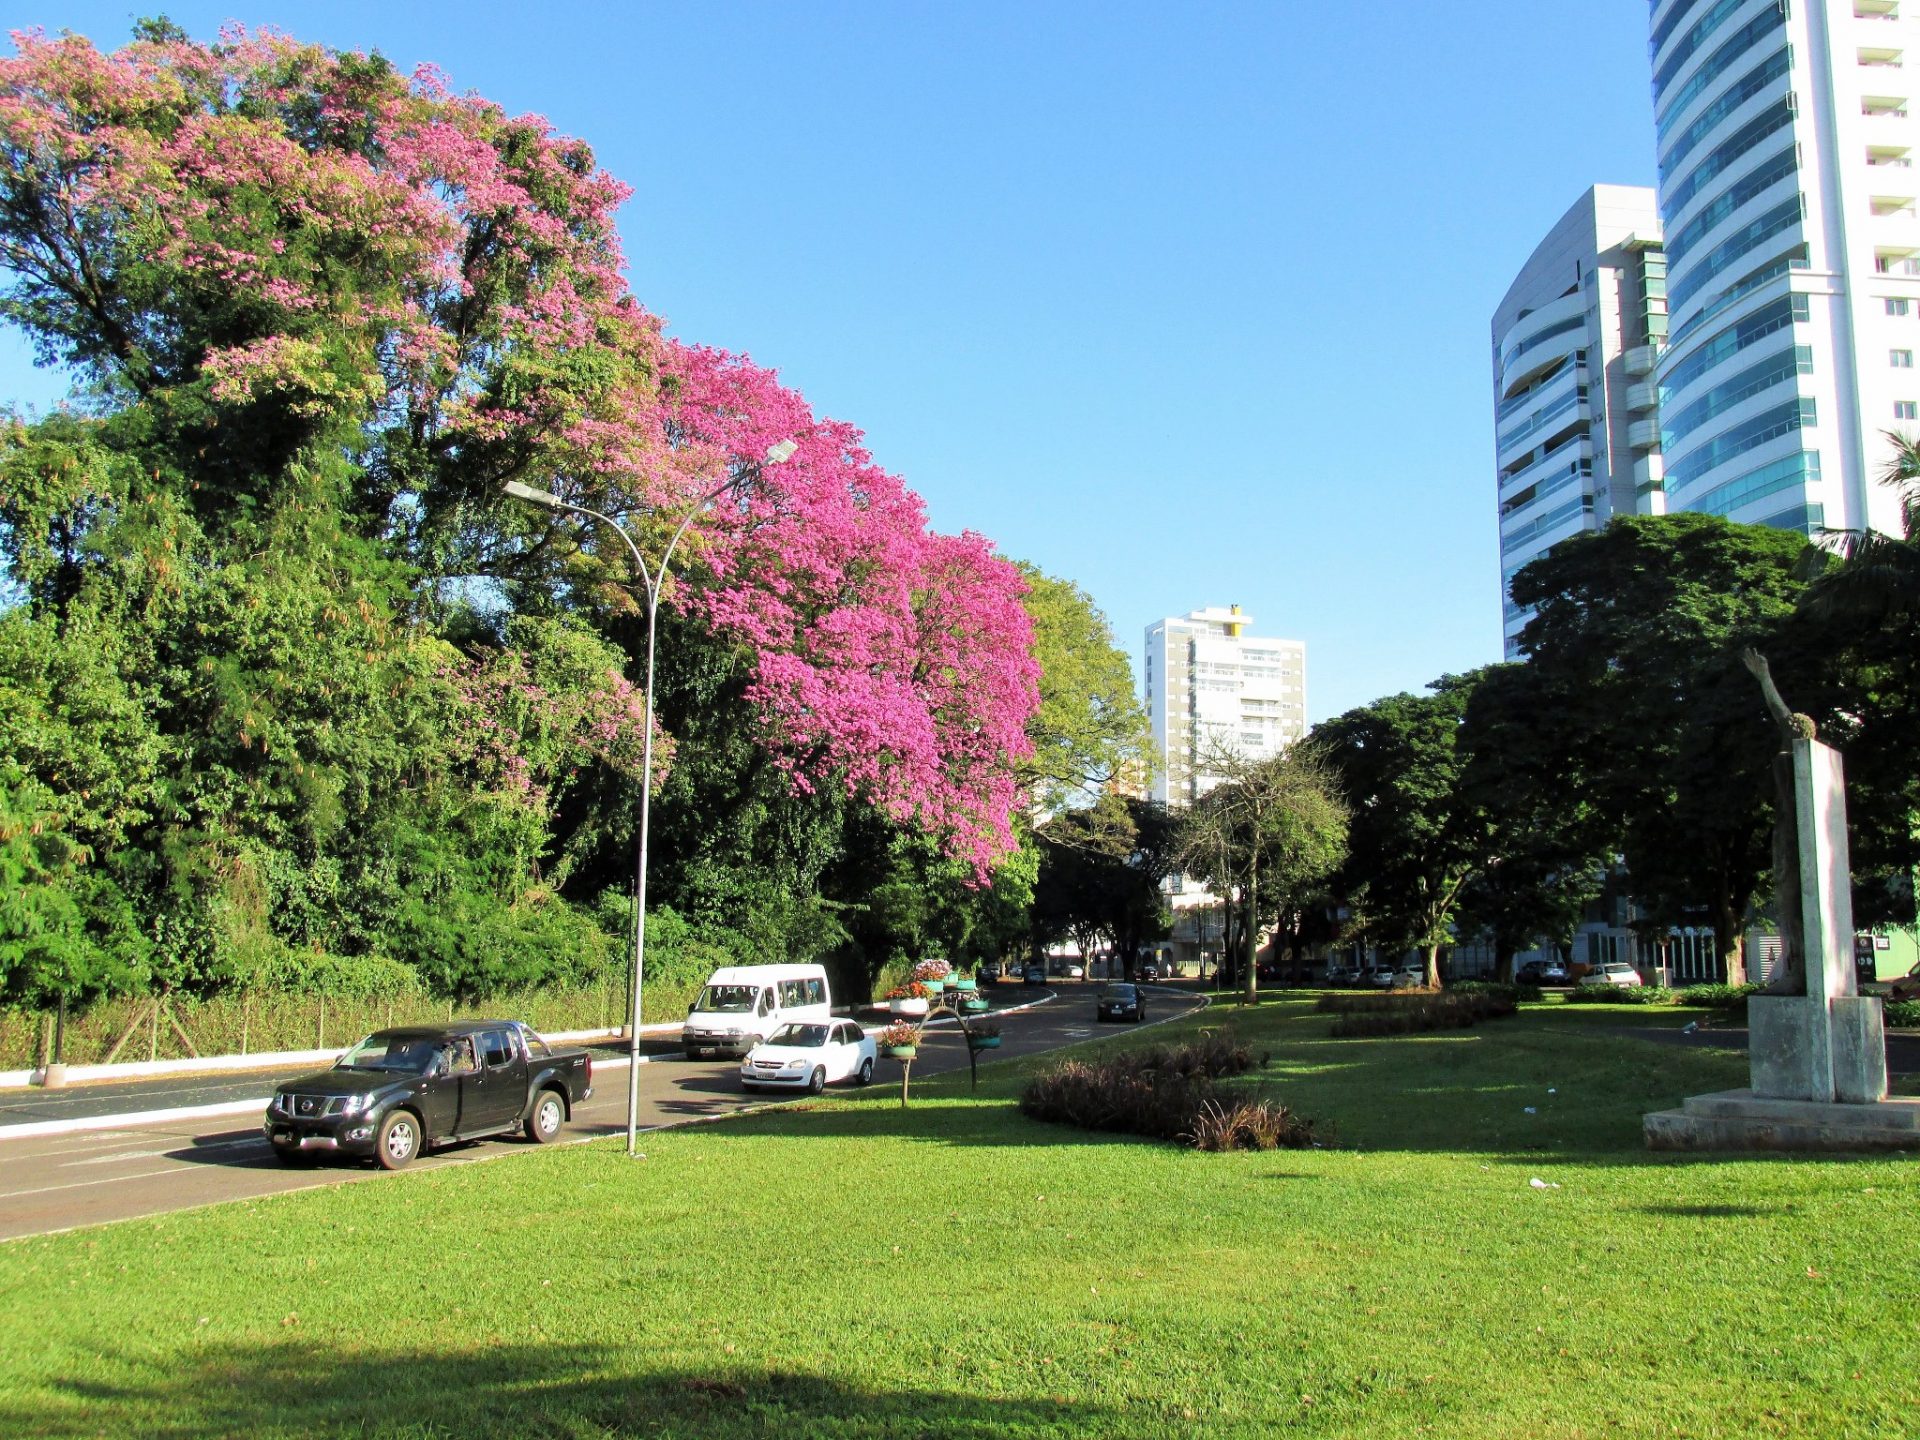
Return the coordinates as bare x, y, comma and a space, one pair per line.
1076, 971
1408, 977
1616, 973
988, 974
1344, 974
1541, 972
1120, 1001
1034, 975
809, 1055
1381, 977
399, 1092
1146, 970
1907, 987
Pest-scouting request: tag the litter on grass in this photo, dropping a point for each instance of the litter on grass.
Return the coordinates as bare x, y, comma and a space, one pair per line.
1537, 1183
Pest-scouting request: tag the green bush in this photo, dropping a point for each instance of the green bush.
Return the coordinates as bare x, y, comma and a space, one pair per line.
1166, 1094
1615, 995
1905, 1014
1721, 997
1517, 992
1416, 1012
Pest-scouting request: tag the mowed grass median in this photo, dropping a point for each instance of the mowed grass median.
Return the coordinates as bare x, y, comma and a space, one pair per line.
846, 1269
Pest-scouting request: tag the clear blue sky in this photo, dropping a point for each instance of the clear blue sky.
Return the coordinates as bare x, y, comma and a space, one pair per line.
1187, 303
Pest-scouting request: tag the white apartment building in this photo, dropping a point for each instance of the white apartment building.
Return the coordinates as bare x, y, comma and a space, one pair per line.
1212, 687
1785, 136
1575, 440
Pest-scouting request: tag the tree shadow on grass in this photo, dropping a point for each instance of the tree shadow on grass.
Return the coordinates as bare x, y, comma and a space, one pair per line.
538, 1390
1720, 1212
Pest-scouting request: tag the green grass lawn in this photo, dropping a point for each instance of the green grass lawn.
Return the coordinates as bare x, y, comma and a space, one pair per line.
956, 1270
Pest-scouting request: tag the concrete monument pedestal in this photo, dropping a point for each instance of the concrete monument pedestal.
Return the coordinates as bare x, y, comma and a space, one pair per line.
1818, 1061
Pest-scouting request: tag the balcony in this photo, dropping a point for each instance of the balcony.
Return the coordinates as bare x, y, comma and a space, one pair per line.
1892, 157
1649, 473
1894, 106
1643, 396
1879, 57
1639, 360
1644, 434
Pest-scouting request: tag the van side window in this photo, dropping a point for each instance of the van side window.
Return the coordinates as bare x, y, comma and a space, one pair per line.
766, 1002
816, 992
792, 992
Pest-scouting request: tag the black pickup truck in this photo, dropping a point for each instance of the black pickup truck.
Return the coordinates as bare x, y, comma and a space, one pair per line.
398, 1092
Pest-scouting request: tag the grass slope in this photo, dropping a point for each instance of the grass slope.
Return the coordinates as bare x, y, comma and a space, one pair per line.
955, 1270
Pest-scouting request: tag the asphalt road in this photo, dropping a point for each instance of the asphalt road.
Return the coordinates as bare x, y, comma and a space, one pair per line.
61, 1182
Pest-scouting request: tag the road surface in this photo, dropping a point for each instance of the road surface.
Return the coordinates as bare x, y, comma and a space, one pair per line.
61, 1182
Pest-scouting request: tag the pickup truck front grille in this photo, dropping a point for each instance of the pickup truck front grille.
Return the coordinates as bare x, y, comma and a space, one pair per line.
310, 1107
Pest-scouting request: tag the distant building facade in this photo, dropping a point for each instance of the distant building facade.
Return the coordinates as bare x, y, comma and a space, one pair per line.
1213, 688
1576, 441
1785, 137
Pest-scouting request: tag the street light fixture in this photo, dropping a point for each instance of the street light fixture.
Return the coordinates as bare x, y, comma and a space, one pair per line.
651, 580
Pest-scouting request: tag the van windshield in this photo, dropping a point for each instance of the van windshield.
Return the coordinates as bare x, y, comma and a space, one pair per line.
727, 999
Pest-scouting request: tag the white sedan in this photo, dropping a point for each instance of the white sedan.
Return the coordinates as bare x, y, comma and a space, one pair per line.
1615, 973
808, 1055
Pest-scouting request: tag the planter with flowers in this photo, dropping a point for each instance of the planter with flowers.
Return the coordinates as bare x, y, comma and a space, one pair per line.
932, 973
972, 1002
984, 1035
907, 1000
899, 1041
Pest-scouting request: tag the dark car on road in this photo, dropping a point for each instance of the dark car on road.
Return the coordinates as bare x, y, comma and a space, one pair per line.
399, 1092
1120, 1002
1034, 975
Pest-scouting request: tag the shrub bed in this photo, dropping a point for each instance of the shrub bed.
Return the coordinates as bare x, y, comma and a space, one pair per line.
1412, 1013
1903, 1013
1167, 1094
1615, 995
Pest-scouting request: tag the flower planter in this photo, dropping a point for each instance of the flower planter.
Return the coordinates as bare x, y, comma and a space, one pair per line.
983, 1042
902, 1052
965, 982
974, 1004
912, 1005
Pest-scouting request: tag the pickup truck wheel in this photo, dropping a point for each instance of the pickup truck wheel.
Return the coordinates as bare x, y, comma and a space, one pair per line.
817, 1081
398, 1141
549, 1111
865, 1074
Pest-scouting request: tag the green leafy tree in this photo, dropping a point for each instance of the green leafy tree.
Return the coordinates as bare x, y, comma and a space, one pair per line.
1646, 710
1413, 845
1100, 874
1269, 834
1089, 729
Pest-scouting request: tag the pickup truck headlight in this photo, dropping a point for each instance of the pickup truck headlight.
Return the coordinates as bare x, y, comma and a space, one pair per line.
354, 1104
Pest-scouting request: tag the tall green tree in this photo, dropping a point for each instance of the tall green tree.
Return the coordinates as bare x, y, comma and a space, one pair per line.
1414, 843
1100, 875
1270, 833
1646, 710
1090, 729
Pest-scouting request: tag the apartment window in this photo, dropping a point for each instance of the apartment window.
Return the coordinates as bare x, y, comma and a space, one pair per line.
1906, 410
1900, 359
1897, 307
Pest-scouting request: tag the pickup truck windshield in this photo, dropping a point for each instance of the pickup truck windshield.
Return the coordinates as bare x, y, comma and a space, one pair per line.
728, 999
411, 1055
806, 1036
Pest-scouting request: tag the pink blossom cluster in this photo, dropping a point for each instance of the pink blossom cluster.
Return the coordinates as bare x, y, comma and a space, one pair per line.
897, 660
381, 248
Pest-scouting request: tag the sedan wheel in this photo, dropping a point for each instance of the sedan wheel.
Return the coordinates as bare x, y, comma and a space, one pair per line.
399, 1140
864, 1075
817, 1081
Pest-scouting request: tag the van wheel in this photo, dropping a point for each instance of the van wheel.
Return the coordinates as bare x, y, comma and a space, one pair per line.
817, 1081
865, 1075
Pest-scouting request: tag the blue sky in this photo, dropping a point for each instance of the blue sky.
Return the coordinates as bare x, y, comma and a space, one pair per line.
1187, 303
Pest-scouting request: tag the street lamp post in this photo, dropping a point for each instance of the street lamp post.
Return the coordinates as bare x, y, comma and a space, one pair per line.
651, 581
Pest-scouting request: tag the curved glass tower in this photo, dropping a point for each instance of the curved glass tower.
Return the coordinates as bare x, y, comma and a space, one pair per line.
1784, 142
1574, 340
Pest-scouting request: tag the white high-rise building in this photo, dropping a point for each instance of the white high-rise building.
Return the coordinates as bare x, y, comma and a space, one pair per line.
1212, 688
1785, 143
1575, 441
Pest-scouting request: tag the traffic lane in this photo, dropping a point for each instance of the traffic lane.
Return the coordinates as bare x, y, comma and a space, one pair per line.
165, 1092
61, 1182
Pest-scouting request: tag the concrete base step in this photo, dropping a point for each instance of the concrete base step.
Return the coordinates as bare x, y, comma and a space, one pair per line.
1741, 1120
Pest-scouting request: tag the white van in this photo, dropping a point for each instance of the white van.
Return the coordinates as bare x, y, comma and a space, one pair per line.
743, 1004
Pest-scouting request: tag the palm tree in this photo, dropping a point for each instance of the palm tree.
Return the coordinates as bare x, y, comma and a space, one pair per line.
1879, 583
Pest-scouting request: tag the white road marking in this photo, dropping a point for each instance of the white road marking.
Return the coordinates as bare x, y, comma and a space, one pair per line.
110, 1180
